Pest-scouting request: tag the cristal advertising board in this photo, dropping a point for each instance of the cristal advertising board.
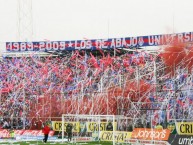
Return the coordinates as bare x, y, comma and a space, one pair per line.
120, 136
57, 126
184, 128
93, 44
77, 126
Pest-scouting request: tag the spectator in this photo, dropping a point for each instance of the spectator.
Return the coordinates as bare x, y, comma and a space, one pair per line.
109, 126
158, 126
46, 131
5, 125
69, 131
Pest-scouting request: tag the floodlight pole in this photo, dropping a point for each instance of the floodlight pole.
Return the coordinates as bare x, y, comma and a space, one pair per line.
25, 20
25, 32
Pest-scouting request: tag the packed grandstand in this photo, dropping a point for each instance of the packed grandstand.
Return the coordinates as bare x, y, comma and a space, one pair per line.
146, 88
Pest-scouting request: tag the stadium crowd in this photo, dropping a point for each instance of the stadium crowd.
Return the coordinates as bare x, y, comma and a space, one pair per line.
24, 81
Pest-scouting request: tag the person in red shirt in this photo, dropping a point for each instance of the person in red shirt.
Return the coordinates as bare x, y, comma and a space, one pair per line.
46, 131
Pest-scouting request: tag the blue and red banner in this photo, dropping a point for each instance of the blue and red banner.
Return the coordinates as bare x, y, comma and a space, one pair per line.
94, 44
